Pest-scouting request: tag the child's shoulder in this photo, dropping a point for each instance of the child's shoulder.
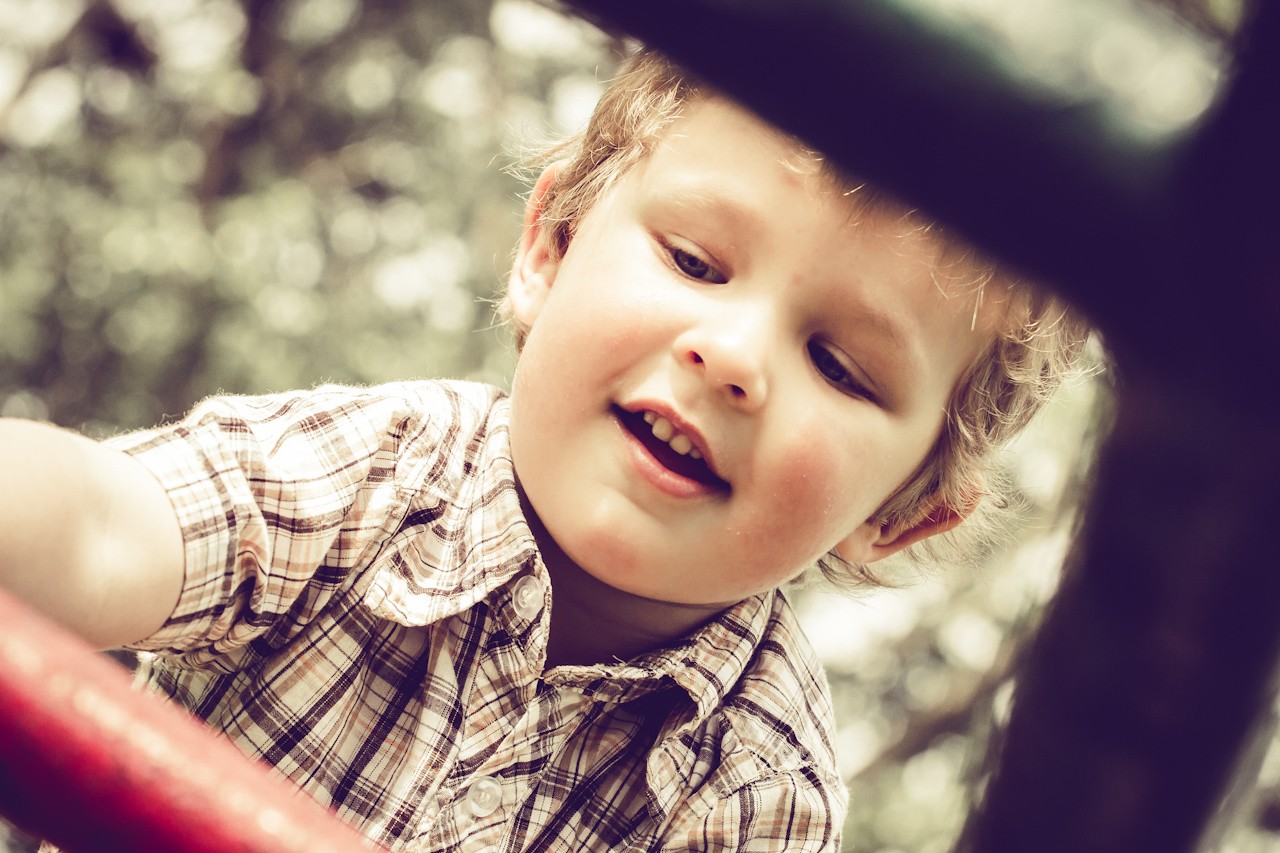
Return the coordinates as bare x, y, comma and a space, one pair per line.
460, 397
444, 403
409, 425
445, 424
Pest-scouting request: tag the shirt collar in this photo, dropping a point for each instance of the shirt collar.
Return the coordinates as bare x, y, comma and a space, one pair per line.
705, 665
462, 477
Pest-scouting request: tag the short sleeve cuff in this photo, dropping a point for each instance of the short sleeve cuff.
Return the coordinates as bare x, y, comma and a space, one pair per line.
205, 515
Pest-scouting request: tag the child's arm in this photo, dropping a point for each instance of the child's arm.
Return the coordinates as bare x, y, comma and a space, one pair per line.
87, 535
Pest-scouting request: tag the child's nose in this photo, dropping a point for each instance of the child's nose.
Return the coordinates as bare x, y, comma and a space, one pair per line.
730, 360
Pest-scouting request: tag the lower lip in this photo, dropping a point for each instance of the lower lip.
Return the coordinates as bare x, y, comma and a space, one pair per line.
658, 475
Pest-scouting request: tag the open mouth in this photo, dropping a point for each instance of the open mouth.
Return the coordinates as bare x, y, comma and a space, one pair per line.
673, 450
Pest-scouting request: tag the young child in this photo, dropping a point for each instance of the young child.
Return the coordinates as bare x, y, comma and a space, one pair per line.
552, 620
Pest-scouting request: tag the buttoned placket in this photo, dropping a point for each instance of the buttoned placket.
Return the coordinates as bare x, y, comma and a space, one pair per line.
490, 794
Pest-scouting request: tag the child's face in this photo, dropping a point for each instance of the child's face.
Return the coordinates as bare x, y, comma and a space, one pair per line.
718, 294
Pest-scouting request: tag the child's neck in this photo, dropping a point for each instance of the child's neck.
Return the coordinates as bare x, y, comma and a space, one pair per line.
593, 622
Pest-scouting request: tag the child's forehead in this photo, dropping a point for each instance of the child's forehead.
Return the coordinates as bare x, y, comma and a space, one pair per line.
709, 113
701, 139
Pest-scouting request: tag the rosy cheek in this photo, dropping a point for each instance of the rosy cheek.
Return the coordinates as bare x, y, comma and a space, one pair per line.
810, 500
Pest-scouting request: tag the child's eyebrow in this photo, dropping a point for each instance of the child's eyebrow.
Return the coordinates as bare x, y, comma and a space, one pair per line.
899, 357
738, 213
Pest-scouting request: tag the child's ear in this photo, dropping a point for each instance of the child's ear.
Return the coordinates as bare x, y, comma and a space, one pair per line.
873, 541
536, 260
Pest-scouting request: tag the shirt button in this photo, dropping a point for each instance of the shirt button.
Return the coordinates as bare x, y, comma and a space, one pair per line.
484, 796
527, 596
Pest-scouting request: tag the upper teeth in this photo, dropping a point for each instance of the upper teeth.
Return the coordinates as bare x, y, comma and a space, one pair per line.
664, 431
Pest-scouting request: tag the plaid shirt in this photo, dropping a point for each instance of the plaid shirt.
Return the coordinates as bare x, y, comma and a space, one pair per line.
365, 610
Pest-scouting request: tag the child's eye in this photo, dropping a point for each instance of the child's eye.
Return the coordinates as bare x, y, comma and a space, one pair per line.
834, 370
695, 267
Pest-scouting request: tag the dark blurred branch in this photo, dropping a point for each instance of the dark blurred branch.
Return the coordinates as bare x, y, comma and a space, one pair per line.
1156, 660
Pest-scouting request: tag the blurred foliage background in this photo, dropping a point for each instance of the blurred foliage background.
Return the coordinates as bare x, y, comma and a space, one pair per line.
207, 194
255, 195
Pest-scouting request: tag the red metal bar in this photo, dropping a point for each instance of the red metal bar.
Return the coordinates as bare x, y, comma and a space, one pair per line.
92, 765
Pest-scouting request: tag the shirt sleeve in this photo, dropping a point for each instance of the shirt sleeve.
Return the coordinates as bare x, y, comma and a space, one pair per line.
280, 499
793, 812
